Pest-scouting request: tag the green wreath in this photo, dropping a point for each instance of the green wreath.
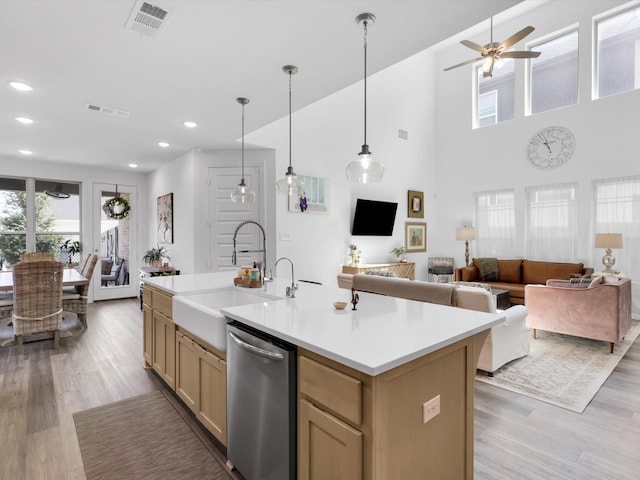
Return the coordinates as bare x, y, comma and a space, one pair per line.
110, 208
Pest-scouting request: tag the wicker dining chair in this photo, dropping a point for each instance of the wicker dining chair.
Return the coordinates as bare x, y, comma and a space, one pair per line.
37, 299
76, 302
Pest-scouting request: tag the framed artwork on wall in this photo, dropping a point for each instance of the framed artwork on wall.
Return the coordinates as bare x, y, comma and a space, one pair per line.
314, 198
164, 233
415, 236
415, 204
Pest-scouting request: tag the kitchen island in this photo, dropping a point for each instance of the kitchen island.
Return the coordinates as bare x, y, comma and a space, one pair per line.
384, 392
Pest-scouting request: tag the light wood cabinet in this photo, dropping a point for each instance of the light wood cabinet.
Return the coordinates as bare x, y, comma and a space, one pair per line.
159, 343
400, 269
201, 382
359, 427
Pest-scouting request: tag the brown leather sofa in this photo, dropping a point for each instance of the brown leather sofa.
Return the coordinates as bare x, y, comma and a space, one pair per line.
513, 275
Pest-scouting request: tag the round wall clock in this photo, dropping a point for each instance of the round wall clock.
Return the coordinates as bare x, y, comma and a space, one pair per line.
551, 147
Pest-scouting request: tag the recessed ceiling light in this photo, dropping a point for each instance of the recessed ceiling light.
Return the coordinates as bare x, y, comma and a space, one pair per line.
133, 165
24, 120
163, 144
189, 124
23, 87
25, 152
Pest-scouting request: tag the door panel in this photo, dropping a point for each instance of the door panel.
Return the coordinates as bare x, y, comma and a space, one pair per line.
116, 273
227, 215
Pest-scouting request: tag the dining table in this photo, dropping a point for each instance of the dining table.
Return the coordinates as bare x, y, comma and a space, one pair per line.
70, 278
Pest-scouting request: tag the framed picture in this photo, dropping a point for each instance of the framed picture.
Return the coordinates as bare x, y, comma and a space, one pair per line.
415, 204
164, 232
415, 236
314, 198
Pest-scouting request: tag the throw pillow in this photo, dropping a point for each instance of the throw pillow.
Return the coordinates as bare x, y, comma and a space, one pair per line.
580, 280
595, 282
380, 273
488, 268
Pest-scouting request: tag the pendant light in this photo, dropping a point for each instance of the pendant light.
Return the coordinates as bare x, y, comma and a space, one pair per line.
290, 185
57, 192
243, 194
365, 169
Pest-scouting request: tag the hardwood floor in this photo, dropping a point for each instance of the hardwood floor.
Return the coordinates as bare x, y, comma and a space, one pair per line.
515, 437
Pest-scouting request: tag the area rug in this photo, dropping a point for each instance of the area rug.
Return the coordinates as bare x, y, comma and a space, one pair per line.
562, 370
142, 438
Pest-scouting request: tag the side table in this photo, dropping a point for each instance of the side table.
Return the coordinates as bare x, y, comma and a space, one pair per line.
503, 298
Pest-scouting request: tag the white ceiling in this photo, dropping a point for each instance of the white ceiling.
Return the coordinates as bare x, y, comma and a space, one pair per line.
78, 52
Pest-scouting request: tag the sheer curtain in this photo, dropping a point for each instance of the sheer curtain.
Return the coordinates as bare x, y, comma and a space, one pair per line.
617, 210
495, 224
552, 222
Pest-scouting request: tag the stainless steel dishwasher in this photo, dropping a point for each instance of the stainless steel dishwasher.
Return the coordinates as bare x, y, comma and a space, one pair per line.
261, 404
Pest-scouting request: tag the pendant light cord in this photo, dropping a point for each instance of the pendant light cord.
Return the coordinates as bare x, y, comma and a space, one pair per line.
365, 81
243, 143
290, 73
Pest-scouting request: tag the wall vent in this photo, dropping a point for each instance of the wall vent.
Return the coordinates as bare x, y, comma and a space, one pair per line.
114, 112
148, 19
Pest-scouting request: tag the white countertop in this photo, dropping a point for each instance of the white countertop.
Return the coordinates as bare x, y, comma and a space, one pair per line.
383, 333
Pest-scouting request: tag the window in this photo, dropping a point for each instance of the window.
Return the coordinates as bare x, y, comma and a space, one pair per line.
552, 222
32, 220
495, 96
495, 224
617, 210
554, 74
618, 52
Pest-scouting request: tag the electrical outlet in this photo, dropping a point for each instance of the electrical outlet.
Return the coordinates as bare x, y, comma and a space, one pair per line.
430, 409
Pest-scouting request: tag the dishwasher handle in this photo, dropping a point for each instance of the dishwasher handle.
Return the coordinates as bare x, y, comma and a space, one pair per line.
256, 350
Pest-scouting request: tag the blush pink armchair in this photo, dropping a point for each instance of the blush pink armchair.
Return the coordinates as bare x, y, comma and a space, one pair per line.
599, 312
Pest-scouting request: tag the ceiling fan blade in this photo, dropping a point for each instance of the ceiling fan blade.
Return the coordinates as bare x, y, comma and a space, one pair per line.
463, 63
474, 46
520, 54
516, 37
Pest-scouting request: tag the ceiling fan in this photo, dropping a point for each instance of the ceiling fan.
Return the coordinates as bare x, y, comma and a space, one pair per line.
493, 52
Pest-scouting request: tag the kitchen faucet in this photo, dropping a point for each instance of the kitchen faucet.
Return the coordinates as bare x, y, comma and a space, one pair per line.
291, 291
234, 257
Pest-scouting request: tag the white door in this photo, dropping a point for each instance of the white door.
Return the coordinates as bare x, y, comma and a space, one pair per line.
227, 215
115, 240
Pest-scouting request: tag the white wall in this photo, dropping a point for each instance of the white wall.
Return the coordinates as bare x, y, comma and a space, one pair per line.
327, 136
606, 133
187, 178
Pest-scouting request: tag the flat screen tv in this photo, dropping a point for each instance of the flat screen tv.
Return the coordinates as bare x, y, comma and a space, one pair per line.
373, 217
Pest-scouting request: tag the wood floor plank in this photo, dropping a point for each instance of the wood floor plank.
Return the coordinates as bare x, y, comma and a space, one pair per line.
516, 437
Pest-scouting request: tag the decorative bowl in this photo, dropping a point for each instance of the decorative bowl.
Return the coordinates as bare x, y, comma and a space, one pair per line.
340, 305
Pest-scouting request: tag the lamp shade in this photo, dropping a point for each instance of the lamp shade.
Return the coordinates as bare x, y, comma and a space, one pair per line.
465, 233
608, 240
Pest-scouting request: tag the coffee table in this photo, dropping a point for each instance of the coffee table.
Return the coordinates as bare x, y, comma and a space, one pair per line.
503, 298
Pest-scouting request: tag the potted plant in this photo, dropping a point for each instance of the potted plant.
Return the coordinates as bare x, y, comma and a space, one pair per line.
399, 252
68, 250
155, 256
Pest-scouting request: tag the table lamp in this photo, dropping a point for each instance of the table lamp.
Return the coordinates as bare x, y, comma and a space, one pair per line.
466, 233
609, 241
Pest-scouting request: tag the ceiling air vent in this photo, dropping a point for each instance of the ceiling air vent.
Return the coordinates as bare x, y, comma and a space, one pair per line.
114, 112
147, 19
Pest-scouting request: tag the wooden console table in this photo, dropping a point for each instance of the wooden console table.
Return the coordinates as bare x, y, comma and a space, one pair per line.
401, 269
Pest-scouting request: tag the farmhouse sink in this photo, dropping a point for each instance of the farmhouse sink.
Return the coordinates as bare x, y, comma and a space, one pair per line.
200, 313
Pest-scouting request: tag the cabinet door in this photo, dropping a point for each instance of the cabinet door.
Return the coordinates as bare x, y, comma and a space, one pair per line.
164, 348
328, 449
187, 370
147, 339
212, 405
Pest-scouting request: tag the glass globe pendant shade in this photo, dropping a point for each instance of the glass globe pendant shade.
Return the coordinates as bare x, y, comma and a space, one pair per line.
243, 194
290, 185
365, 169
